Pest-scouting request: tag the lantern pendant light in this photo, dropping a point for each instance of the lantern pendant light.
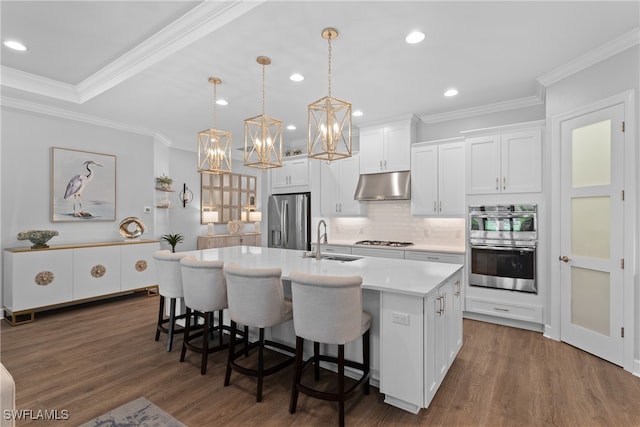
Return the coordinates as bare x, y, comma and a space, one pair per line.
214, 145
329, 121
263, 135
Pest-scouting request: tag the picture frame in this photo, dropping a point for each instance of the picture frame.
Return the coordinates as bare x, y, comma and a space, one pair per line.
83, 186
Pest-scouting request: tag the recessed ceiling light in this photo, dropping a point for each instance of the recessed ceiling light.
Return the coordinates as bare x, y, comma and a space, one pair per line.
222, 102
451, 92
296, 77
414, 37
291, 127
12, 44
357, 113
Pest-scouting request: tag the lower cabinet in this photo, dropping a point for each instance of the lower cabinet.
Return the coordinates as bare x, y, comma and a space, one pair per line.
224, 240
429, 333
443, 333
35, 280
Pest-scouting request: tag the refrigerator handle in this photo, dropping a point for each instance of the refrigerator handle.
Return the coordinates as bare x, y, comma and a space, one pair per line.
285, 223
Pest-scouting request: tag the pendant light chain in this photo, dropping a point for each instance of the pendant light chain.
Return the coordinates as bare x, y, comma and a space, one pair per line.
263, 65
215, 86
329, 73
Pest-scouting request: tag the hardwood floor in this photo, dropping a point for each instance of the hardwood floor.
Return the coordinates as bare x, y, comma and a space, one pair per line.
93, 358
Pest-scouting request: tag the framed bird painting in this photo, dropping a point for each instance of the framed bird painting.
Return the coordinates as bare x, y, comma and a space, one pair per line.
83, 186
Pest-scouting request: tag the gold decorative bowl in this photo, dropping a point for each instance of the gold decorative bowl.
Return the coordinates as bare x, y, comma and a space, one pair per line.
39, 238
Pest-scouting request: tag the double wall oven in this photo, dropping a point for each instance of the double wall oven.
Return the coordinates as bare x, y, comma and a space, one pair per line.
503, 240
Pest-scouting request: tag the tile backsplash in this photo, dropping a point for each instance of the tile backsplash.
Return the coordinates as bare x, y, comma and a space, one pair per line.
393, 221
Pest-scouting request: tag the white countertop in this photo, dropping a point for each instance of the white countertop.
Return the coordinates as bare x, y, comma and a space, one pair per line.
420, 247
409, 277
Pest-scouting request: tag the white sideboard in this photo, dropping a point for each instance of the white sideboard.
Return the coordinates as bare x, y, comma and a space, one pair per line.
40, 279
224, 240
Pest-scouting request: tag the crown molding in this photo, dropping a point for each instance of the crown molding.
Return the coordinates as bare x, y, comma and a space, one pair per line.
605, 51
27, 82
513, 104
195, 24
18, 104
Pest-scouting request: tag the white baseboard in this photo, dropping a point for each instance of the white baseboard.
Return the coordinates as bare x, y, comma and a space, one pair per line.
536, 327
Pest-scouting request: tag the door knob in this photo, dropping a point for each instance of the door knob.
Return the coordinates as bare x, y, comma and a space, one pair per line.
563, 258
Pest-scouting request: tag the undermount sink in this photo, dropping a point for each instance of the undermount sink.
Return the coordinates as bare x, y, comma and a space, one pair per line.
343, 258
332, 257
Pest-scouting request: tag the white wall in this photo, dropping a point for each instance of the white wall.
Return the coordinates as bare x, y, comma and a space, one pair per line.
613, 76
27, 139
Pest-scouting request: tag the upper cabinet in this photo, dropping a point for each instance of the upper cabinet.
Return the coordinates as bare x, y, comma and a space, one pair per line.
292, 176
437, 178
387, 148
337, 187
505, 162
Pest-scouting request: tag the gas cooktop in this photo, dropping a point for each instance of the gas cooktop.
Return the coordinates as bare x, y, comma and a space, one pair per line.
383, 243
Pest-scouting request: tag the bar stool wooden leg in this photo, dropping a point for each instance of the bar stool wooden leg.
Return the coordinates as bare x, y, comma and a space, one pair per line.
172, 321
297, 374
232, 348
205, 343
366, 357
187, 331
260, 366
160, 317
341, 384
316, 360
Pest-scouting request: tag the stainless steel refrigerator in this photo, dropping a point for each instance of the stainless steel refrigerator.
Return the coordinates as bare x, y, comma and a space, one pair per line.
290, 221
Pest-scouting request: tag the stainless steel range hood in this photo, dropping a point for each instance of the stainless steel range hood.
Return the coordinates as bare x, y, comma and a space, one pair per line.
384, 186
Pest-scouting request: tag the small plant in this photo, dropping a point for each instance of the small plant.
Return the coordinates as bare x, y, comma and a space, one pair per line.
164, 181
287, 153
173, 240
297, 152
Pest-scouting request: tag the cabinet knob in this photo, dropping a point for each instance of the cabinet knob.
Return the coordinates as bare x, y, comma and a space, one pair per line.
504, 183
497, 183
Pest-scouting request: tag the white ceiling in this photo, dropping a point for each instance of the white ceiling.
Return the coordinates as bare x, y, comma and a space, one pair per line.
144, 65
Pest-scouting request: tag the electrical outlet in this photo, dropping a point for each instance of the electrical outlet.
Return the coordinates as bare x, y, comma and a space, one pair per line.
147, 209
400, 318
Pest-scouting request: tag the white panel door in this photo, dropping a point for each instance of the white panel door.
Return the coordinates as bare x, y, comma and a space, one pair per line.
592, 233
451, 196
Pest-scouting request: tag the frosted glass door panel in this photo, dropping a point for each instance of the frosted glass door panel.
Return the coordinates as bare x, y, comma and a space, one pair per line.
591, 155
590, 291
591, 227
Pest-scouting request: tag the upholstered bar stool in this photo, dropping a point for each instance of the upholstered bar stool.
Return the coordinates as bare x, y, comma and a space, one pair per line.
328, 309
256, 299
205, 292
169, 286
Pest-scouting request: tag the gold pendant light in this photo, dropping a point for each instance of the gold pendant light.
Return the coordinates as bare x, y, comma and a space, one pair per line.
214, 145
329, 121
263, 135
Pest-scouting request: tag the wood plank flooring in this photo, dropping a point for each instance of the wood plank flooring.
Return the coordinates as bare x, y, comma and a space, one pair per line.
93, 358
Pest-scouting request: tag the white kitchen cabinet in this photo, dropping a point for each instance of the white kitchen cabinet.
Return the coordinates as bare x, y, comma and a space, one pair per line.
337, 187
415, 378
293, 175
437, 178
40, 279
387, 148
443, 334
507, 162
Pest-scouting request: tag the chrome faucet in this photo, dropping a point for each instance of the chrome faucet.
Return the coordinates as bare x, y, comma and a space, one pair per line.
318, 252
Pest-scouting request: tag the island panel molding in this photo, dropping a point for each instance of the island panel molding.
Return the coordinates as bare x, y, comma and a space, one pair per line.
41, 279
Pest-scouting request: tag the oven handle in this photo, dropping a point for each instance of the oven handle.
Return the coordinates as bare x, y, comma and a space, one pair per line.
504, 248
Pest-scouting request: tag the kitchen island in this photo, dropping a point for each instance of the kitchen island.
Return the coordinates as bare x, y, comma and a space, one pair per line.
416, 329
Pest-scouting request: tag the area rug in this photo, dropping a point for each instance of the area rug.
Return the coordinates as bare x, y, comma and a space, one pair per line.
138, 413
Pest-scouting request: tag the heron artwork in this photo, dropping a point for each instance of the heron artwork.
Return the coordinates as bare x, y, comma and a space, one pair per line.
76, 186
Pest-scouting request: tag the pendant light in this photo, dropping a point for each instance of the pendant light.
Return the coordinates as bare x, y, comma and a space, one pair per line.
214, 145
329, 121
263, 135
